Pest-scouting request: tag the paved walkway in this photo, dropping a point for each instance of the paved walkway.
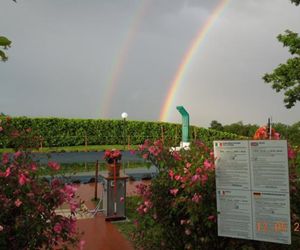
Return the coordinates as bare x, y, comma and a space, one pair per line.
99, 234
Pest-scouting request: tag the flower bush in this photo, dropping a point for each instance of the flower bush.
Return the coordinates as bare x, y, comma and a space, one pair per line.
263, 134
112, 156
178, 208
28, 219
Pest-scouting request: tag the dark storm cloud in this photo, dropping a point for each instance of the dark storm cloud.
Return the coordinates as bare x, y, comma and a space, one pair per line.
64, 52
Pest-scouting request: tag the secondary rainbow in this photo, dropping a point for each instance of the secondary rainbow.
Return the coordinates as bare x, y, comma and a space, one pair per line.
119, 62
187, 59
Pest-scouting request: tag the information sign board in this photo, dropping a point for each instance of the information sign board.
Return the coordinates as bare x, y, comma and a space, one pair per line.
252, 185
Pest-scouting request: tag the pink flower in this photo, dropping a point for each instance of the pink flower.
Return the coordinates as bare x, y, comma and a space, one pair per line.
7, 172
198, 170
1, 129
211, 218
132, 152
122, 199
174, 191
276, 136
73, 206
188, 165
158, 143
152, 150
204, 179
207, 165
57, 228
54, 165
1, 228
55, 183
81, 244
17, 154
145, 156
33, 166
177, 177
140, 209
291, 153
197, 198
195, 178
148, 203
176, 156
171, 174
22, 179
69, 191
5, 158
73, 225
18, 202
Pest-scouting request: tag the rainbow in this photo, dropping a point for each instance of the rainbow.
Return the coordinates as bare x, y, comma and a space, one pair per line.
120, 60
187, 59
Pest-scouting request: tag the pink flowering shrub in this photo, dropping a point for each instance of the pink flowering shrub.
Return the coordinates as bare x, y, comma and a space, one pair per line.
180, 203
28, 202
178, 208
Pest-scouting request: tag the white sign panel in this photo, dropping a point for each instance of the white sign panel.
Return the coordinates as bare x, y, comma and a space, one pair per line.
234, 214
271, 217
252, 185
269, 164
232, 159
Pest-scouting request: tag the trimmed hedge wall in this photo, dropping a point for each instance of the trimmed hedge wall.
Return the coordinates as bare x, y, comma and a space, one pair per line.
74, 132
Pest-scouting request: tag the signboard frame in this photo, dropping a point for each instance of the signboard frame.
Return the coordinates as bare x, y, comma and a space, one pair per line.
252, 185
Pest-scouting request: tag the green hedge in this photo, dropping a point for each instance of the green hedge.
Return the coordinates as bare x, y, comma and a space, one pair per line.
56, 132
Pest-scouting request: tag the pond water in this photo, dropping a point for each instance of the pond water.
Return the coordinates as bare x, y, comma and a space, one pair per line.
142, 169
83, 157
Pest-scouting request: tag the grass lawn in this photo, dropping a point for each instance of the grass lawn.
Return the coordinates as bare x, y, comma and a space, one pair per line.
127, 227
74, 168
81, 148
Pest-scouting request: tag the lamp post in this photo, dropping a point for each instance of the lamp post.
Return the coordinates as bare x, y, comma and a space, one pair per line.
124, 115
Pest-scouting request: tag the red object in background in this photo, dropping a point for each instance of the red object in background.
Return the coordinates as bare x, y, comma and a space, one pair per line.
262, 133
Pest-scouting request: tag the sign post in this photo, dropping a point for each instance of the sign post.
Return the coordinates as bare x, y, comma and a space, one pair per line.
185, 126
252, 183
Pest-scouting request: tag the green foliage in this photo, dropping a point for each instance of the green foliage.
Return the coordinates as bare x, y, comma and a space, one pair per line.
289, 132
286, 77
5, 43
178, 208
241, 129
28, 202
216, 125
296, 2
60, 132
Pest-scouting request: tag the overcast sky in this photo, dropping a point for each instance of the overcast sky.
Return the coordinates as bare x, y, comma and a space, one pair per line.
64, 53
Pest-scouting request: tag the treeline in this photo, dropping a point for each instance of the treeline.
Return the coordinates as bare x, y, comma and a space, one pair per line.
289, 132
57, 132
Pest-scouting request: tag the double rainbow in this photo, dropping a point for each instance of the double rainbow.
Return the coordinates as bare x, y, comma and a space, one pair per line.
120, 60
187, 59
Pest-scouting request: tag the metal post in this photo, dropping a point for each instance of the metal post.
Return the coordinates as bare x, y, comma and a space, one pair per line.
124, 135
185, 123
96, 180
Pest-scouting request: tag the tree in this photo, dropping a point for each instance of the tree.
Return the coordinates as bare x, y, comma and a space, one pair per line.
297, 2
286, 77
5, 43
241, 129
216, 125
294, 134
